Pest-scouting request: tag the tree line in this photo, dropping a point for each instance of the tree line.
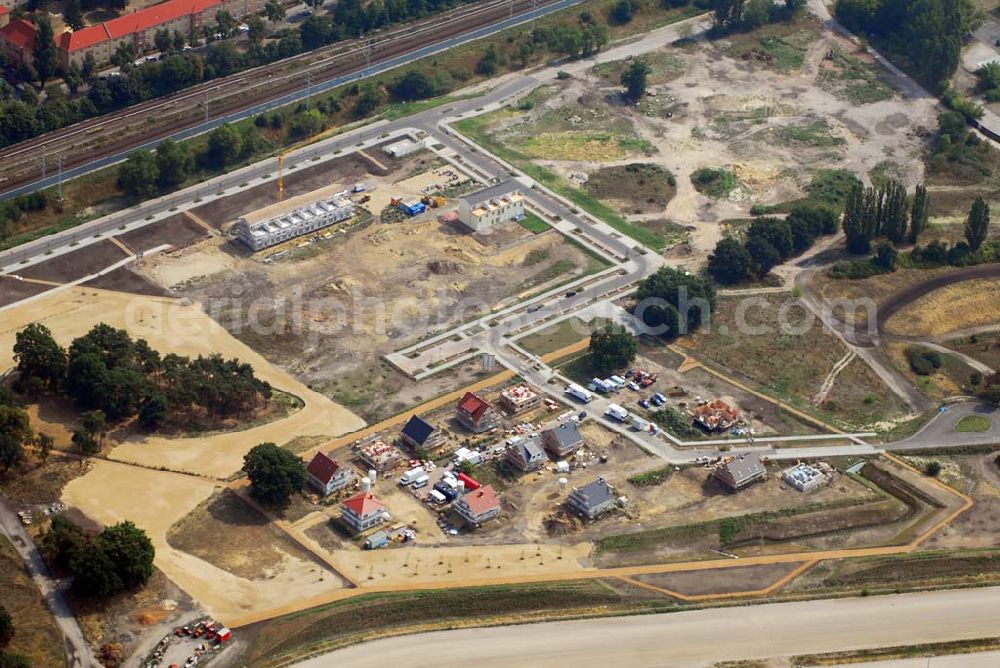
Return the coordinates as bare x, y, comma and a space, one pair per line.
769, 241
925, 34
114, 377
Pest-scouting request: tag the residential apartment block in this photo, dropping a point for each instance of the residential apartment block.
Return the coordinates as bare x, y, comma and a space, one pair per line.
294, 217
487, 208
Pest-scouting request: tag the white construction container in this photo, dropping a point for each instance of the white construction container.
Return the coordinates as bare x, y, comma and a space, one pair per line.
366, 484
373, 476
411, 475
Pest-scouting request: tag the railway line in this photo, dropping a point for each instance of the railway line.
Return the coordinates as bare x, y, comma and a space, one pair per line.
32, 162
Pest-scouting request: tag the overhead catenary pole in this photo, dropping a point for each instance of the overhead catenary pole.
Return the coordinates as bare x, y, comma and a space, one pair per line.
59, 164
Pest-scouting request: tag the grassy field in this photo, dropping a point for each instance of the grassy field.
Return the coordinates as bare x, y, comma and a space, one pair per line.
664, 66
711, 182
365, 617
973, 423
36, 635
781, 45
637, 188
556, 337
534, 224
966, 304
852, 79
947, 381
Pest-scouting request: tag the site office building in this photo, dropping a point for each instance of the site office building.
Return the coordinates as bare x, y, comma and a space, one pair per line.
187, 17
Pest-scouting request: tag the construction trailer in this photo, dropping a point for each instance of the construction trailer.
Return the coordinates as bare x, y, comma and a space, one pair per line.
578, 392
617, 412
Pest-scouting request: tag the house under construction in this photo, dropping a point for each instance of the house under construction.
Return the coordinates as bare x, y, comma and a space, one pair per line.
294, 217
716, 416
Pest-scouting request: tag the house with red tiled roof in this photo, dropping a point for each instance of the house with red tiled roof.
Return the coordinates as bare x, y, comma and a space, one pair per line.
363, 511
18, 40
476, 414
326, 475
479, 506
187, 17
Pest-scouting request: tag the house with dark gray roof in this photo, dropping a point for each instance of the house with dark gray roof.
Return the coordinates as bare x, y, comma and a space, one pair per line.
741, 470
562, 440
593, 499
526, 454
419, 434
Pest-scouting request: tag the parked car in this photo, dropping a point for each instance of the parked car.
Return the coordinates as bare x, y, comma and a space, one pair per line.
571, 293
632, 385
644, 403
655, 400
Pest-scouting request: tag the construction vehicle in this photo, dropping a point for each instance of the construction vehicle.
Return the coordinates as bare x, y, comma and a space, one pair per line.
433, 201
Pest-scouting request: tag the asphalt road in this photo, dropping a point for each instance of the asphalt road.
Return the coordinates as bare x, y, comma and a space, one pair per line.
77, 652
694, 638
940, 431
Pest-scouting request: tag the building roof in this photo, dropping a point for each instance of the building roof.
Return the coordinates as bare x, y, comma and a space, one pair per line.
20, 34
362, 504
482, 500
566, 434
492, 192
292, 205
3, 10
323, 468
417, 430
595, 494
144, 19
744, 467
473, 406
528, 448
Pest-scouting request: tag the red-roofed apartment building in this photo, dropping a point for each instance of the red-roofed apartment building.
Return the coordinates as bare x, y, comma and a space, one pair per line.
138, 28
479, 506
476, 413
18, 40
363, 511
326, 475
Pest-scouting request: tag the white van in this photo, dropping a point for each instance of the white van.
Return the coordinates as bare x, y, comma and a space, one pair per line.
421, 482
411, 475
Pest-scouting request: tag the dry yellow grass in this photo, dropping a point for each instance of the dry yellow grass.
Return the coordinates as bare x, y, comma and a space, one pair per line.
968, 304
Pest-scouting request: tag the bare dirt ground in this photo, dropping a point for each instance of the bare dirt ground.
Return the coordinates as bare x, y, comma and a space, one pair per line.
13, 290
719, 581
124, 279
978, 476
155, 501
76, 264
177, 230
771, 108
172, 327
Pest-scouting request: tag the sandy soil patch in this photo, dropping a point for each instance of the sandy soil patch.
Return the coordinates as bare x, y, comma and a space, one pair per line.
969, 304
155, 500
170, 326
173, 270
719, 580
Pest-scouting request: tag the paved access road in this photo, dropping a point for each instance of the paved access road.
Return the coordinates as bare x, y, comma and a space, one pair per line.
77, 651
694, 638
940, 431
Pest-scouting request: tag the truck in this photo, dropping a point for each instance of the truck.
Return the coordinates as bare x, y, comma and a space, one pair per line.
377, 540
639, 424
578, 392
618, 381
617, 412
411, 475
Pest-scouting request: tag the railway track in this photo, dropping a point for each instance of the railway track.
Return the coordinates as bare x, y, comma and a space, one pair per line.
153, 120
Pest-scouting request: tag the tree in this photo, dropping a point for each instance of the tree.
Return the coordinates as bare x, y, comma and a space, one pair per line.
274, 473
84, 442
274, 10
489, 63
894, 218
634, 80
990, 392
886, 256
124, 56
38, 355
933, 468
94, 573
138, 175
153, 410
72, 15
225, 23
611, 348
15, 432
130, 550
95, 423
44, 51
977, 225
369, 99
224, 145
859, 220
162, 41
776, 232
256, 29
88, 68
307, 123
178, 41
765, 255
622, 12
174, 163
414, 85
691, 297
44, 443
730, 262
919, 213
6, 628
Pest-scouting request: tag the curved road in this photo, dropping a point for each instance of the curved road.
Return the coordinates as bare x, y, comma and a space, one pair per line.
696, 637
